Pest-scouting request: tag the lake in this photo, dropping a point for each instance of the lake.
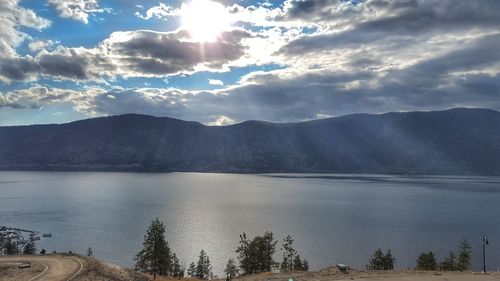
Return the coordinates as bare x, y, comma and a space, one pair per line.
332, 218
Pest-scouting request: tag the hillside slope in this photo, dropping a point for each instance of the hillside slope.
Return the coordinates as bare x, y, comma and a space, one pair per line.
456, 141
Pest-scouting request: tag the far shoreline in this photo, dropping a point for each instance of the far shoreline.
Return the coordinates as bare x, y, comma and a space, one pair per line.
276, 174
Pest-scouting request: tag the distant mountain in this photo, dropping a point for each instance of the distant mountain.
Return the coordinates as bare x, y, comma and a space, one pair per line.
457, 141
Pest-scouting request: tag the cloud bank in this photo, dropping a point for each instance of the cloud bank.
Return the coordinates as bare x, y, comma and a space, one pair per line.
336, 57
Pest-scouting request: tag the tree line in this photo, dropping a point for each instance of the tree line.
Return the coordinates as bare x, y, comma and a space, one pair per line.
426, 261
254, 256
12, 248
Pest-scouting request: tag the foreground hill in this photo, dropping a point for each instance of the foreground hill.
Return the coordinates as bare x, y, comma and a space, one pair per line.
60, 267
456, 141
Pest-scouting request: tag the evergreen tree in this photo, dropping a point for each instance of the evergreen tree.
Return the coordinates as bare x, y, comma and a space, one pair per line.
289, 254
10, 247
244, 254
155, 257
300, 264
177, 270
449, 263
191, 270
464, 255
256, 255
231, 269
389, 261
381, 261
203, 268
297, 263
305, 265
427, 261
268, 247
89, 252
29, 248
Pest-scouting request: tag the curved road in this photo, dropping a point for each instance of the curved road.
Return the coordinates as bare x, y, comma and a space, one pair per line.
55, 267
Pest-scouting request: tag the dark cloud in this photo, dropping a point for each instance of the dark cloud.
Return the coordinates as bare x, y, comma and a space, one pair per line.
18, 68
12, 105
365, 56
61, 63
449, 80
134, 53
70, 65
309, 9
397, 21
165, 53
150, 101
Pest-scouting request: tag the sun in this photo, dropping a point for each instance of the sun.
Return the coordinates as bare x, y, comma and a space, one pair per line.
204, 19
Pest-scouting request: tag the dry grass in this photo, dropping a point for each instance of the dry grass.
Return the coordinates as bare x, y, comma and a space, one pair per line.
101, 271
12, 272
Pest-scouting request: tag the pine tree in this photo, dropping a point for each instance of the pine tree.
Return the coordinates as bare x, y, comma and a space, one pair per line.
449, 263
305, 265
29, 248
427, 261
381, 261
463, 261
297, 263
268, 248
191, 270
203, 268
231, 269
389, 261
243, 252
89, 252
256, 255
155, 257
10, 247
288, 254
177, 270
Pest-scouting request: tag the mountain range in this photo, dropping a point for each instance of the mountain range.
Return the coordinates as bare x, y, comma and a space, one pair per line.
458, 141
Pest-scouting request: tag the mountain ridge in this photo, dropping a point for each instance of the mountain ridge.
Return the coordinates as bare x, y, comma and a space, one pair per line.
453, 141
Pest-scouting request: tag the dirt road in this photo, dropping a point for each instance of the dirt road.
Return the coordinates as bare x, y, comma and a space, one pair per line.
43, 268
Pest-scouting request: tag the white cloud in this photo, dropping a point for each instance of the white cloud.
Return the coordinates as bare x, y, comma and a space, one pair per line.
162, 11
221, 120
77, 9
39, 45
215, 82
12, 17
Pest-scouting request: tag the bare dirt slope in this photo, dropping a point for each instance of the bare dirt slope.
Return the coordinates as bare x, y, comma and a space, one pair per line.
102, 271
334, 274
63, 268
44, 267
77, 268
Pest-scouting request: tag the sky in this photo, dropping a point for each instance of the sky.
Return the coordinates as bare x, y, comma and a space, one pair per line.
225, 61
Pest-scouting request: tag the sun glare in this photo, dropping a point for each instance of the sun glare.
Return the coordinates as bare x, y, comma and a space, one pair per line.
204, 19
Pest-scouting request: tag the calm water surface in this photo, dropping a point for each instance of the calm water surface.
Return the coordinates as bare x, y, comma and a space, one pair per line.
332, 218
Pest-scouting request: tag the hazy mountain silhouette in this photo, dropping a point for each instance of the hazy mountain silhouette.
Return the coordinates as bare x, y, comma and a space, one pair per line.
456, 141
